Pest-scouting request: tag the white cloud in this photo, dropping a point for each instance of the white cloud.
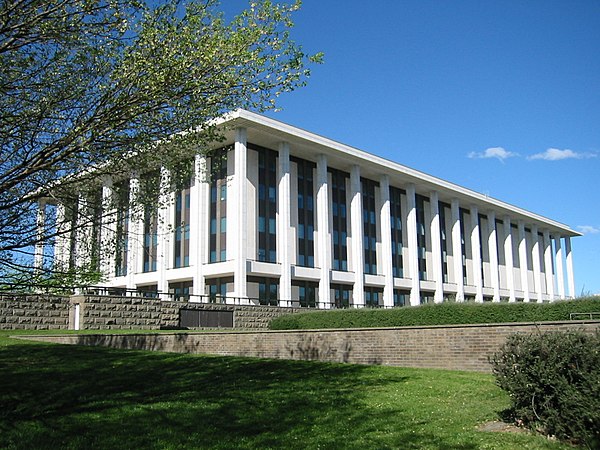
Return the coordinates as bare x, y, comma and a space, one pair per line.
588, 229
555, 154
493, 152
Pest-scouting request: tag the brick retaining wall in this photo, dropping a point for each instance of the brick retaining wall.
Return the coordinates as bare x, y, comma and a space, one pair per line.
444, 347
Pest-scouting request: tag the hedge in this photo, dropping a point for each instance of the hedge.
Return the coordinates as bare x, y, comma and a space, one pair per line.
438, 314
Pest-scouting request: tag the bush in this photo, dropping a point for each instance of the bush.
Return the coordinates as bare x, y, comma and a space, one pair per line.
553, 380
438, 314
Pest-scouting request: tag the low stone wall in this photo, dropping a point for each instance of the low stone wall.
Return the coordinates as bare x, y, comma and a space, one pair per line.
444, 347
125, 313
33, 312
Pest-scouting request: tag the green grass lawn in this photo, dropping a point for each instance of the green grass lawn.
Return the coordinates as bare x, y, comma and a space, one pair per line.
55, 396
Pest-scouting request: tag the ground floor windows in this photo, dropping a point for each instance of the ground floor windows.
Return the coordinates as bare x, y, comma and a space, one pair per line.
401, 298
373, 297
217, 289
306, 293
341, 294
148, 291
181, 290
264, 289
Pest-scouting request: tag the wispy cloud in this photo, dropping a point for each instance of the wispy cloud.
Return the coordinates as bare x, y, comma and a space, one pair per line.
493, 152
588, 229
555, 154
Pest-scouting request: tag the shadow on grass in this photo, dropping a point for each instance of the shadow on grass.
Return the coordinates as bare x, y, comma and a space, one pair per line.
78, 397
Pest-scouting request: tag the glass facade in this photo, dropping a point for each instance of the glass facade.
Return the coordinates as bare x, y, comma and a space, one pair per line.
217, 289
181, 290
267, 290
396, 225
342, 293
339, 225
373, 297
267, 204
218, 205
121, 194
444, 210
181, 228
306, 213
421, 236
369, 226
401, 298
307, 293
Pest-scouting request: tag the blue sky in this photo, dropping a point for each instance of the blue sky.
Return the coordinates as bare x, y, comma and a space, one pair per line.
501, 97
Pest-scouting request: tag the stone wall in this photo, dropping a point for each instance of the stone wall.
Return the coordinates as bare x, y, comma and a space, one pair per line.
443, 347
124, 313
33, 312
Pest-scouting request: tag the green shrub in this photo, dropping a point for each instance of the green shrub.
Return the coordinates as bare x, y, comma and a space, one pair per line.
438, 314
553, 380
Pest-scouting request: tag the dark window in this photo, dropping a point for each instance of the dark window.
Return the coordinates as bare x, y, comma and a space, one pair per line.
421, 236
373, 297
444, 208
463, 245
181, 290
121, 194
181, 229
306, 213
218, 205
369, 226
149, 197
267, 204
396, 225
341, 295
267, 290
339, 224
149, 291
307, 293
401, 298
217, 289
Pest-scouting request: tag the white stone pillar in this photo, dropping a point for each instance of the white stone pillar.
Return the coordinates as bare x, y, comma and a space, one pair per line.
135, 235
386, 241
199, 228
548, 265
537, 269
523, 260
62, 241
323, 244
108, 229
508, 259
560, 273
283, 224
493, 252
570, 273
457, 255
436, 247
238, 224
356, 221
38, 258
164, 217
476, 254
413, 245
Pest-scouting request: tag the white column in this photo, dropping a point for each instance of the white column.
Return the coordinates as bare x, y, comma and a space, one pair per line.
323, 244
164, 217
38, 258
283, 231
199, 237
493, 252
508, 259
523, 260
537, 269
386, 241
570, 273
476, 254
436, 247
560, 273
108, 229
238, 223
413, 255
457, 255
83, 233
548, 265
356, 221
135, 235
62, 241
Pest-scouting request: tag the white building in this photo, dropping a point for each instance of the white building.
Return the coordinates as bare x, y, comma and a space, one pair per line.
291, 218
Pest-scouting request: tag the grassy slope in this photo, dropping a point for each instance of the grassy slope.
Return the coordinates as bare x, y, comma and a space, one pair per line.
55, 396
